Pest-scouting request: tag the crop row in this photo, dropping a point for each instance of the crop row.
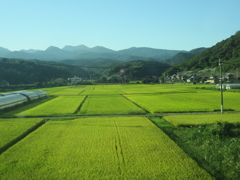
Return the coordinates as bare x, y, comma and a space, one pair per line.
98, 148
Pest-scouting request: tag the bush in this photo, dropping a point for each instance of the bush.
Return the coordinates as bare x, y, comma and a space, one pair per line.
218, 129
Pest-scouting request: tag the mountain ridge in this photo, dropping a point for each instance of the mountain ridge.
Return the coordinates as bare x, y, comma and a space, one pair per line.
81, 51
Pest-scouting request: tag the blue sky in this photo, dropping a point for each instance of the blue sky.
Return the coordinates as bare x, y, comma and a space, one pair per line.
117, 24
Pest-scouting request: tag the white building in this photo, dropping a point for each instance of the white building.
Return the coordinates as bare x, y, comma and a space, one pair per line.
75, 79
233, 86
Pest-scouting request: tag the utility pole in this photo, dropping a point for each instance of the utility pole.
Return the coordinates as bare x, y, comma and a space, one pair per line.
221, 88
237, 76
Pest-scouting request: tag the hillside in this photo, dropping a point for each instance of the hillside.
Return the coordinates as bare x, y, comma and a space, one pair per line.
139, 69
182, 56
17, 71
227, 50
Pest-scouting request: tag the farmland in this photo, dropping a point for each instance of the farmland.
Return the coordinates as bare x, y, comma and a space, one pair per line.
59, 106
111, 104
12, 128
99, 148
105, 132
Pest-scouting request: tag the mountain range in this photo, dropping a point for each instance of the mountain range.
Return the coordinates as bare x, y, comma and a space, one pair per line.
53, 53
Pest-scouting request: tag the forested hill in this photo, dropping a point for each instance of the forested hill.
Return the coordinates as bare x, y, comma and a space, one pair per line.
182, 56
17, 71
139, 69
227, 50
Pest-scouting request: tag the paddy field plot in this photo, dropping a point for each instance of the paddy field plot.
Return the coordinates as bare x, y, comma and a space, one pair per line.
26, 107
53, 89
103, 90
70, 91
183, 120
98, 148
230, 98
158, 103
12, 128
109, 104
59, 106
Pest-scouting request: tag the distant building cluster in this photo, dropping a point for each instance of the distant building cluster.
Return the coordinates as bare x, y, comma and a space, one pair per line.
206, 78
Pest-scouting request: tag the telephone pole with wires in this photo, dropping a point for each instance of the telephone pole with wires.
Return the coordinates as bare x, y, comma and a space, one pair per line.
221, 88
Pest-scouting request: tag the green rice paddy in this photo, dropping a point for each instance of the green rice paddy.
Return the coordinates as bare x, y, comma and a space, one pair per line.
98, 148
100, 132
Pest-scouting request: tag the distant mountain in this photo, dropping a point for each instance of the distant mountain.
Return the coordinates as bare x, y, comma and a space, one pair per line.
227, 50
3, 52
76, 48
182, 56
159, 54
100, 49
29, 50
83, 52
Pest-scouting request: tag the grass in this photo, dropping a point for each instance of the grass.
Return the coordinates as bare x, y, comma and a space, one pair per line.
59, 106
110, 104
98, 148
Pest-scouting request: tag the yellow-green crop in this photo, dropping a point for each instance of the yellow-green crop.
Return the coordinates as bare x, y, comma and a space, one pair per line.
157, 103
98, 148
58, 106
109, 104
12, 128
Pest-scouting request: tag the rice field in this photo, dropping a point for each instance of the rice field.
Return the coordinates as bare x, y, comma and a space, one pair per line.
56, 107
213, 98
12, 128
159, 103
104, 147
109, 104
98, 148
180, 120
73, 91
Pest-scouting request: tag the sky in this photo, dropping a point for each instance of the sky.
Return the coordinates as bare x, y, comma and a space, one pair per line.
117, 24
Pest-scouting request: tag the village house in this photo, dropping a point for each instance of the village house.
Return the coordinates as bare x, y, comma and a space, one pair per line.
75, 79
213, 79
193, 78
227, 77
